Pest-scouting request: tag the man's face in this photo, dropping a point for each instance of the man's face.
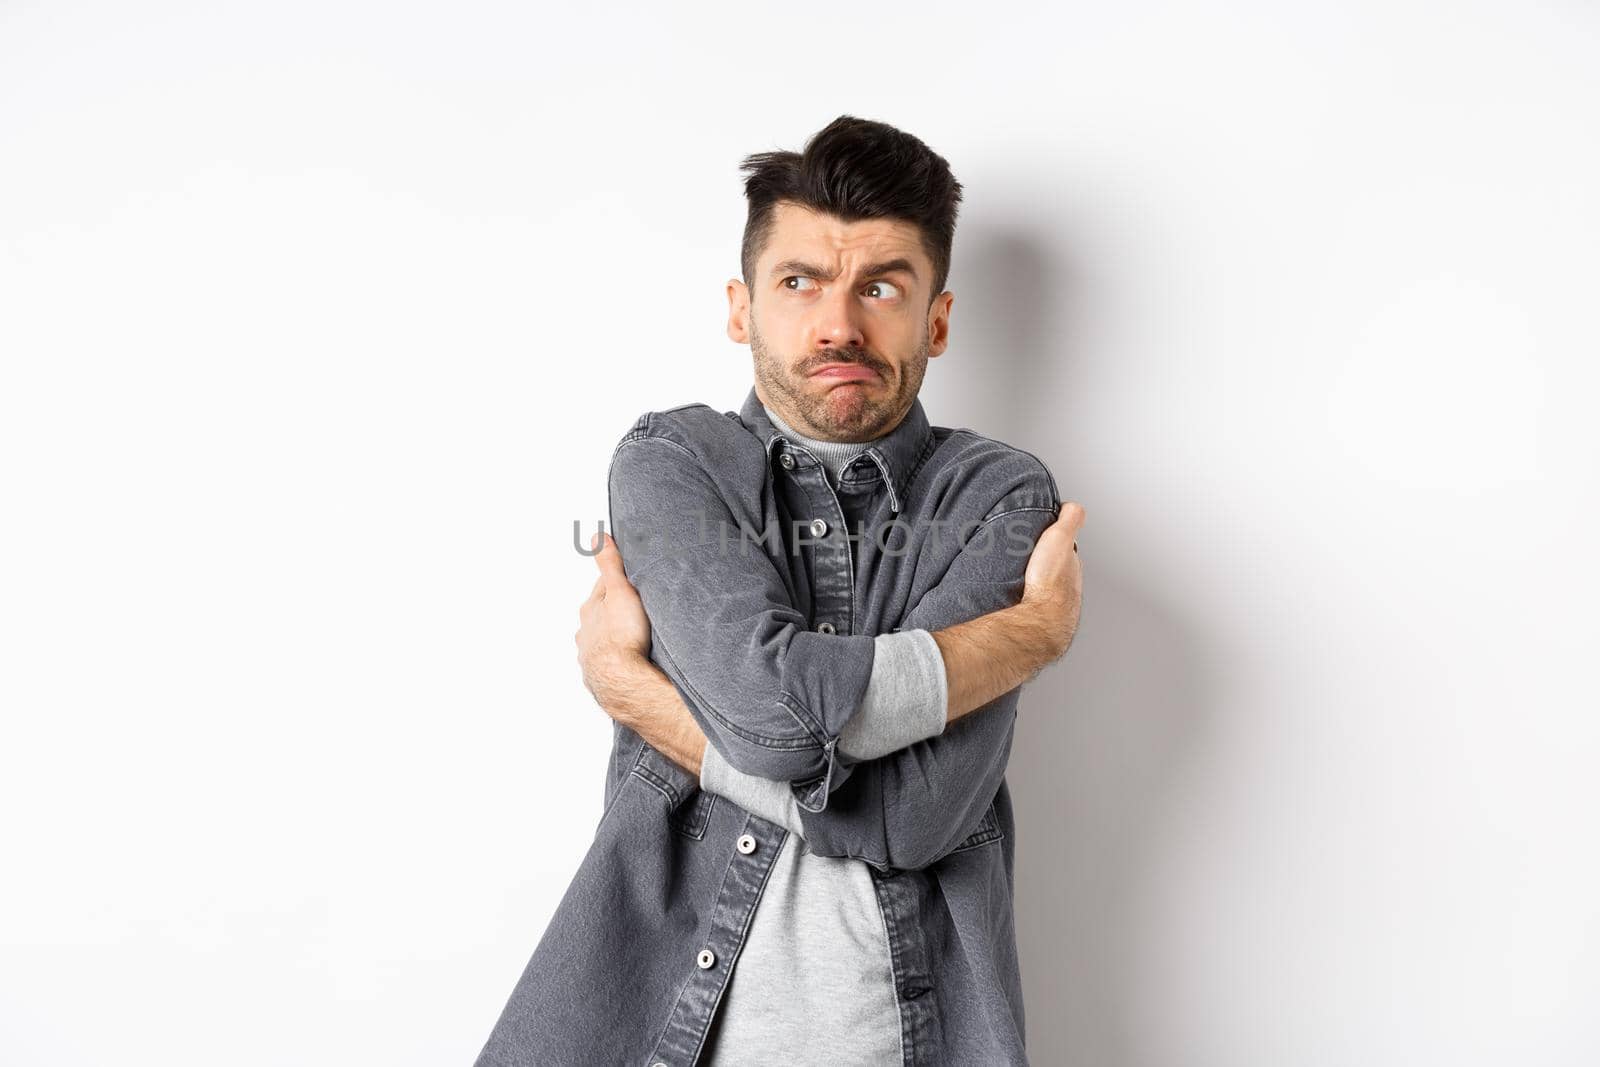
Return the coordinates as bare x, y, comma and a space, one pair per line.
839, 323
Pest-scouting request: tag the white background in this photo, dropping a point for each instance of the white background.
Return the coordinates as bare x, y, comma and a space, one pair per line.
319, 322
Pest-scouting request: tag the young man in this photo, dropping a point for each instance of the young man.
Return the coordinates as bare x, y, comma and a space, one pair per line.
812, 643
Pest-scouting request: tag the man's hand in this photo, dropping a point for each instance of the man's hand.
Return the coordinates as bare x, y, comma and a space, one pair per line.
614, 631
613, 641
994, 653
1053, 582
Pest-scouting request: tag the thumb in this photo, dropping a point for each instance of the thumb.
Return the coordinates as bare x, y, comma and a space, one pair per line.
1064, 530
609, 560
1072, 513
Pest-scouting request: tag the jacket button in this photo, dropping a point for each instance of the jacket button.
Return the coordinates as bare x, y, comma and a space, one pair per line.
747, 844
706, 958
785, 461
824, 627
818, 527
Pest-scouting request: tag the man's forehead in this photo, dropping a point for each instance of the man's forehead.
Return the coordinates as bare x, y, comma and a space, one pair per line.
799, 230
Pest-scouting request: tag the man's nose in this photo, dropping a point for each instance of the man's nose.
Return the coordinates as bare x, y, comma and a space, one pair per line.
838, 320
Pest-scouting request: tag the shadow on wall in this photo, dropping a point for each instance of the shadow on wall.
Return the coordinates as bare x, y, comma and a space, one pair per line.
1106, 735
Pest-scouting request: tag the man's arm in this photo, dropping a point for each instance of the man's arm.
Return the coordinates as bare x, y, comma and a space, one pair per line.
975, 662
777, 699
907, 692
911, 807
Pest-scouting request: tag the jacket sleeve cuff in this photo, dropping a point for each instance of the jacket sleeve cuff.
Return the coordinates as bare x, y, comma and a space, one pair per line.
765, 797
906, 698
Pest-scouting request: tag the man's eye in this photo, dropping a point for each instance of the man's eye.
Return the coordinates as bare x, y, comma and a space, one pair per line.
796, 279
884, 290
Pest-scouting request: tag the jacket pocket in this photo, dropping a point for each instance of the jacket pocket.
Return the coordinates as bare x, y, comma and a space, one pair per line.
988, 830
688, 806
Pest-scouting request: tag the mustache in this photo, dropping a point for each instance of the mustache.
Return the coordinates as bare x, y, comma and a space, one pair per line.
843, 355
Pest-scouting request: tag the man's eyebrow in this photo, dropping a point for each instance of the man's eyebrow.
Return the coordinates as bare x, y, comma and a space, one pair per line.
811, 270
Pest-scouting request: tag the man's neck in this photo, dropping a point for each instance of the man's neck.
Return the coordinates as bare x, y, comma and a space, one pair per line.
834, 455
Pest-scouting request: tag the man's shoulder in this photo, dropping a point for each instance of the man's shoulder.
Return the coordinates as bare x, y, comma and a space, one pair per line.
685, 423
695, 426
986, 477
716, 440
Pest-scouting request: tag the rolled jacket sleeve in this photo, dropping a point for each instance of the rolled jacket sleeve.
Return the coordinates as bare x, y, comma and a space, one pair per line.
907, 700
769, 693
913, 806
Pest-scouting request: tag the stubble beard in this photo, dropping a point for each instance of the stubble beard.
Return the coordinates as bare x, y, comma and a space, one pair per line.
840, 412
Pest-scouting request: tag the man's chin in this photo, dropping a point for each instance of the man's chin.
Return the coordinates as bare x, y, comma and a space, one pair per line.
849, 412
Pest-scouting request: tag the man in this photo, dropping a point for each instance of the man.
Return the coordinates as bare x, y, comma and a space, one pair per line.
811, 640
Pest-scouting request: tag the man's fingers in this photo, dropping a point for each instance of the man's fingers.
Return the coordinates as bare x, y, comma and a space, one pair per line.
597, 593
1053, 567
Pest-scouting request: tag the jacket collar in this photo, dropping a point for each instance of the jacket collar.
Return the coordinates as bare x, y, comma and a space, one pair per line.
896, 453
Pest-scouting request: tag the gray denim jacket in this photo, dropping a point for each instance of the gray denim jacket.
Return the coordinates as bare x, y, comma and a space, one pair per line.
765, 588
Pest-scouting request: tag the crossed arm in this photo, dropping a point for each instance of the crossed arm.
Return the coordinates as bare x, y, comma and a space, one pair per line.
745, 693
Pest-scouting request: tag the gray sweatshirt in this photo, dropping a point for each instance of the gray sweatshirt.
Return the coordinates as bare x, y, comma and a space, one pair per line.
819, 915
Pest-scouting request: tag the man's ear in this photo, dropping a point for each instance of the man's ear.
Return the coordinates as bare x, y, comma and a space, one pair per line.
738, 311
939, 323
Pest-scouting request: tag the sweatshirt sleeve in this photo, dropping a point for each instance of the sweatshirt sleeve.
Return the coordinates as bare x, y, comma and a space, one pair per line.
906, 701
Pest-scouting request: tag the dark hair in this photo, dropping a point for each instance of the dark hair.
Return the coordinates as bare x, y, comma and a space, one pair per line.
856, 169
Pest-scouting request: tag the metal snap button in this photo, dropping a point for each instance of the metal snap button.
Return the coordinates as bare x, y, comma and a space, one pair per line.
706, 958
818, 527
785, 460
824, 627
747, 844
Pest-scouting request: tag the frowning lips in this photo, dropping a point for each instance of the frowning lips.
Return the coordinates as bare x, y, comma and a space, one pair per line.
845, 372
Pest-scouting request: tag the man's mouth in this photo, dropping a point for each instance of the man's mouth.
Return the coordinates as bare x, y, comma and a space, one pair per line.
845, 372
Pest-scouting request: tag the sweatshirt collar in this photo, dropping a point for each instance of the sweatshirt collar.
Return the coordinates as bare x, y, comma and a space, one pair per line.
897, 453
